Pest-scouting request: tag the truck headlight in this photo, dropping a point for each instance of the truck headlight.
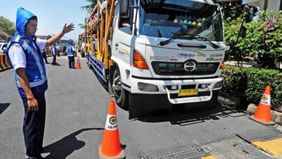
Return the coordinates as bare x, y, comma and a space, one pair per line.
147, 87
203, 86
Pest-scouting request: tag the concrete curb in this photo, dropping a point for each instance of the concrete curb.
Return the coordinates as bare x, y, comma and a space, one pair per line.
230, 101
235, 101
275, 116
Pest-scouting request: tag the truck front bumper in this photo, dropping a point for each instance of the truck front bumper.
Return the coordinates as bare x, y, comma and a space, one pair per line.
202, 89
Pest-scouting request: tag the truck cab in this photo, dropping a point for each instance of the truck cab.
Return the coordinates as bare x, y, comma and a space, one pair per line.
165, 51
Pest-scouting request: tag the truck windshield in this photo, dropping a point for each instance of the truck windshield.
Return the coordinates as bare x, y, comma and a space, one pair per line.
165, 17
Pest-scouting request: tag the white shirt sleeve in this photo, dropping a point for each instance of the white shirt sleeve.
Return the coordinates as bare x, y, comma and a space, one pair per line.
41, 44
17, 56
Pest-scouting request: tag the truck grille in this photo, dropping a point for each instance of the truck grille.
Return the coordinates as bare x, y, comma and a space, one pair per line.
176, 68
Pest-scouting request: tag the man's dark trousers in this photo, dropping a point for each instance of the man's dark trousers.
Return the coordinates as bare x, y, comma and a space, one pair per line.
71, 61
54, 60
33, 126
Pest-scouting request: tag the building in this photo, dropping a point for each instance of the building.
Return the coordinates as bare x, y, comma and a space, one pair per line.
263, 4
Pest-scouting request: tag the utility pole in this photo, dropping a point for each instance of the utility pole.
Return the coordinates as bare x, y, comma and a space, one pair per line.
265, 6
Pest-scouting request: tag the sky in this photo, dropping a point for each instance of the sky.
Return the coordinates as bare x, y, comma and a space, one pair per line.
51, 14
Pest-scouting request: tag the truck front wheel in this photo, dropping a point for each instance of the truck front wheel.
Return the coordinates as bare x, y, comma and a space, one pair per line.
121, 95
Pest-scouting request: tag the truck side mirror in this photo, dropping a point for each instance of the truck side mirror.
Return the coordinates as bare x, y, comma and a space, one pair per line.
124, 11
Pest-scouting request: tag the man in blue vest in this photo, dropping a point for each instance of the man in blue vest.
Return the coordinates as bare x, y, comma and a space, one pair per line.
24, 51
70, 53
54, 54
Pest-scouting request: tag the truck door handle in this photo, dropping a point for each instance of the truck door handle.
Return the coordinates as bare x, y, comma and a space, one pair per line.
116, 46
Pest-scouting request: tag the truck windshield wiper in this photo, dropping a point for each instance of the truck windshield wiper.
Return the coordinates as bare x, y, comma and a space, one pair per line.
205, 39
174, 36
180, 33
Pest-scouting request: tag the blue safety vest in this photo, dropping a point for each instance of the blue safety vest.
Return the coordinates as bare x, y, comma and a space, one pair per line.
35, 68
70, 51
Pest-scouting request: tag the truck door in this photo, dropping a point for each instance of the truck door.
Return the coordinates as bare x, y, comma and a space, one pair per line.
121, 49
122, 39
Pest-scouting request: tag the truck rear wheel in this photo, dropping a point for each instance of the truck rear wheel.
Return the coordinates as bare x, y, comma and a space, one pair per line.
120, 94
89, 64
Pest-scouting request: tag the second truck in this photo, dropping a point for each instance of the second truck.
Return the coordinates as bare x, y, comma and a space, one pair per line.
152, 54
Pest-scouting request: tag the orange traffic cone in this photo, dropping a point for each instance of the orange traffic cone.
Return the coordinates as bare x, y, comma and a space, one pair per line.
263, 114
78, 66
110, 147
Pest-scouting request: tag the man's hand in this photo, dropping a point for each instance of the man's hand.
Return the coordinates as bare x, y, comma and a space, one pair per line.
32, 104
68, 28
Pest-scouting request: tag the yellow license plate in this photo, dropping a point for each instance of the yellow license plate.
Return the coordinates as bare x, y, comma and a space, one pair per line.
187, 92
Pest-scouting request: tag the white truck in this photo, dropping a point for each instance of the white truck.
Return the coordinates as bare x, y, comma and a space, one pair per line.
155, 53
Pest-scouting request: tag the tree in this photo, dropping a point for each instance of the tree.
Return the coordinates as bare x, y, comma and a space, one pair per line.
82, 26
90, 6
49, 36
7, 28
263, 38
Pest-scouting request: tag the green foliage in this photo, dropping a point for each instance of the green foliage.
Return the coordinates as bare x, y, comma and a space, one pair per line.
263, 37
7, 28
250, 82
90, 6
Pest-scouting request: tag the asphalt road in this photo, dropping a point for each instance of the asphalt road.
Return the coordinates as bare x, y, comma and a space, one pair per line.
76, 113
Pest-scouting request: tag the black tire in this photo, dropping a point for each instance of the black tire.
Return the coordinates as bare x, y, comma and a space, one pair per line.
90, 66
88, 63
120, 94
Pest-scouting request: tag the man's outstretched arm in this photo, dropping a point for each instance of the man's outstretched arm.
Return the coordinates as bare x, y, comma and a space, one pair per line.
66, 29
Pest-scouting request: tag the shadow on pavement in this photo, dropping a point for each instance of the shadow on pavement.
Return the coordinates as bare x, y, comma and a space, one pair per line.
3, 107
192, 114
56, 64
67, 145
